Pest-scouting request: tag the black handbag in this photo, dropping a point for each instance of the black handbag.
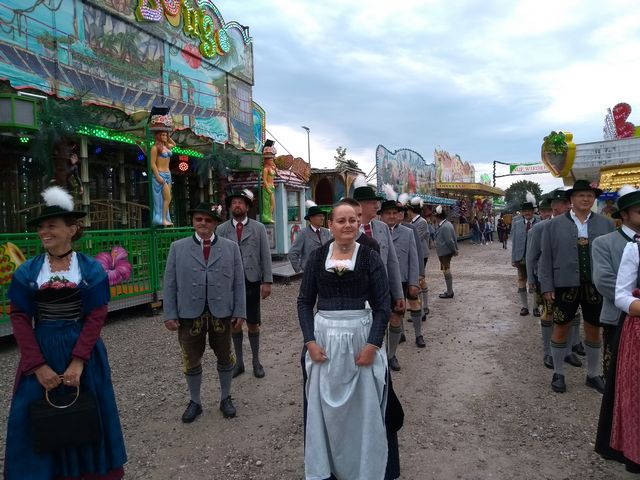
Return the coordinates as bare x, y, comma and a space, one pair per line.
68, 420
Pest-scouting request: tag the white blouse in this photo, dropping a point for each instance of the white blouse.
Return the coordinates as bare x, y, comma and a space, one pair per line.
72, 275
627, 277
347, 265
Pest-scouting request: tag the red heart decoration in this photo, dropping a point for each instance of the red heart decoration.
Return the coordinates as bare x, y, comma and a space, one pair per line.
624, 129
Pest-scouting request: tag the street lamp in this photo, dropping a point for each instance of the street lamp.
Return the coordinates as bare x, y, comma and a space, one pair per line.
308, 145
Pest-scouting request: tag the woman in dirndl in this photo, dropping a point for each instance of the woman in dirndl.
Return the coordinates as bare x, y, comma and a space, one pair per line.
346, 367
625, 424
58, 306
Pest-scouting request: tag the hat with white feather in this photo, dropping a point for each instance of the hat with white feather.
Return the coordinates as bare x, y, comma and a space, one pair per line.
530, 202
627, 197
246, 195
416, 204
440, 212
214, 211
312, 209
362, 191
58, 203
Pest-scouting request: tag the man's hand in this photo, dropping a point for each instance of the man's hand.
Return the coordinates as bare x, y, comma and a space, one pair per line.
412, 291
550, 296
237, 322
172, 325
265, 290
47, 377
316, 352
398, 305
532, 287
71, 376
366, 356
455, 254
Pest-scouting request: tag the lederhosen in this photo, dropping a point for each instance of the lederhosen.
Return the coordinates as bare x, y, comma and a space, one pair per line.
568, 299
192, 336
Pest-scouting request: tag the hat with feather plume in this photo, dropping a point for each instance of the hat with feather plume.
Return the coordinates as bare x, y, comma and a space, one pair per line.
246, 195
57, 203
362, 191
627, 197
312, 209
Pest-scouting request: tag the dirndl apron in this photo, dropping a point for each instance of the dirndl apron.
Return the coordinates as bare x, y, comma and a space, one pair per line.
345, 431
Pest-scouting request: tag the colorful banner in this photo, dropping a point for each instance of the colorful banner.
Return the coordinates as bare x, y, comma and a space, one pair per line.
527, 168
451, 168
134, 54
405, 170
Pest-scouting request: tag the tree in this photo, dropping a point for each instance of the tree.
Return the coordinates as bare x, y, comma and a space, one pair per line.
515, 195
342, 161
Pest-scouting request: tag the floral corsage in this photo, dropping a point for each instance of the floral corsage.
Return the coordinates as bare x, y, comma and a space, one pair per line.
339, 267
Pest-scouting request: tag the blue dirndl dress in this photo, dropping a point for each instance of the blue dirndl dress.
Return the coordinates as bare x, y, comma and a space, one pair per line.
59, 315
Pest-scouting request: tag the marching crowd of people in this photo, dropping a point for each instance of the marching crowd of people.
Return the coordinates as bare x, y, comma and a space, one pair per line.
582, 269
362, 277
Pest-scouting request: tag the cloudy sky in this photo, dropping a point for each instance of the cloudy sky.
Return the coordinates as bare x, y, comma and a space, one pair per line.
486, 80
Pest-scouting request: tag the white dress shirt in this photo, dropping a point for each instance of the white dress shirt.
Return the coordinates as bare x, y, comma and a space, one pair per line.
583, 228
200, 239
627, 277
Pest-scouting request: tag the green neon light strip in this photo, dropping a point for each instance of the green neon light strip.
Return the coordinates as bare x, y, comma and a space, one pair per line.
106, 134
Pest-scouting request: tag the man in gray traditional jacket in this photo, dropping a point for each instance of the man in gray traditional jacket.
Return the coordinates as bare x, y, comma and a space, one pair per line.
607, 253
203, 293
565, 272
310, 238
519, 249
446, 248
414, 218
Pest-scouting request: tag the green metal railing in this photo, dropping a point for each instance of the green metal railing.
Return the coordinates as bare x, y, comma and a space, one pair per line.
147, 249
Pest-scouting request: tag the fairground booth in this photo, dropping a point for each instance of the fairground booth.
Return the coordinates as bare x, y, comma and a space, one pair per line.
447, 181
608, 164
82, 83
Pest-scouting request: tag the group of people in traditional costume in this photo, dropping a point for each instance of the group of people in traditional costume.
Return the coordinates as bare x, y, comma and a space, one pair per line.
582, 268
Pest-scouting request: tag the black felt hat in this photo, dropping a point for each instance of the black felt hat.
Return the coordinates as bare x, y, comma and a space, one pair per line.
583, 186
558, 194
545, 204
527, 206
246, 195
58, 203
366, 193
627, 199
313, 211
389, 205
210, 209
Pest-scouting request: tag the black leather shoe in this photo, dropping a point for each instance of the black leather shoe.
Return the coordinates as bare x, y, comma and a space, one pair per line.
420, 342
578, 349
192, 411
403, 338
426, 312
446, 295
536, 312
394, 364
258, 371
548, 361
227, 408
557, 383
597, 383
524, 312
238, 369
572, 359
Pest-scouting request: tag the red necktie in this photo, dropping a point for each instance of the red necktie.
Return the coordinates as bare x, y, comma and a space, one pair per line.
528, 226
206, 248
239, 227
318, 234
367, 230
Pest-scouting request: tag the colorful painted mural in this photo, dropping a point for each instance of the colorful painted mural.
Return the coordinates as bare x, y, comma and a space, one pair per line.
133, 54
405, 170
451, 168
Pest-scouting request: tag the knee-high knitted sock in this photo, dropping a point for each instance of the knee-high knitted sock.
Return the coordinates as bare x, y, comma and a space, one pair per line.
225, 374
558, 352
424, 297
237, 346
417, 323
254, 341
194, 382
448, 279
524, 299
394, 340
546, 327
593, 357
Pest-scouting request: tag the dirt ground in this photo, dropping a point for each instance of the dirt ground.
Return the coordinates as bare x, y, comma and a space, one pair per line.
477, 400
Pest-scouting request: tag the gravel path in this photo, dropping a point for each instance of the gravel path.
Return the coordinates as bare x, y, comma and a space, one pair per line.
477, 400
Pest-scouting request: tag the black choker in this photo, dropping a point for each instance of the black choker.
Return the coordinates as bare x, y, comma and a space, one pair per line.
60, 257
